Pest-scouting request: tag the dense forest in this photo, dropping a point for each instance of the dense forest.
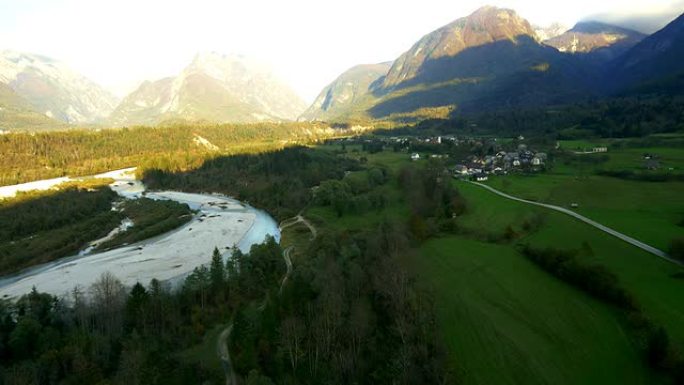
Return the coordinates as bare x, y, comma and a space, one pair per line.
349, 313
41, 227
33, 156
278, 181
110, 334
609, 118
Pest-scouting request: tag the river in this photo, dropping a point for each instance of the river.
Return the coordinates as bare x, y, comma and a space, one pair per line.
220, 222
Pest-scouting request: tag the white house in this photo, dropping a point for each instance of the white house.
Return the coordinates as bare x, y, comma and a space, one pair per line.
415, 156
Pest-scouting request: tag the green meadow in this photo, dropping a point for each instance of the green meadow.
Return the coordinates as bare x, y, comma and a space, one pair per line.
506, 321
652, 212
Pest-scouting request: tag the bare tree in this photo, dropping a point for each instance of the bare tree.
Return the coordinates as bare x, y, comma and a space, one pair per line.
292, 334
108, 297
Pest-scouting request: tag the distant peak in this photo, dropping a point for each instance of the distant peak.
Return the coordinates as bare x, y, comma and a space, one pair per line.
492, 11
596, 27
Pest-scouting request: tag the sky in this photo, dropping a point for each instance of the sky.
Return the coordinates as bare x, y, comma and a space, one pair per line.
308, 43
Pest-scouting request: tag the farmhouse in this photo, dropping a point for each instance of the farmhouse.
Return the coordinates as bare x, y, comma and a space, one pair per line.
480, 177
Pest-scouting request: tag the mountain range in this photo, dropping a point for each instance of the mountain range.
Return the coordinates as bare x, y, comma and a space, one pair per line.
37, 92
495, 59
491, 59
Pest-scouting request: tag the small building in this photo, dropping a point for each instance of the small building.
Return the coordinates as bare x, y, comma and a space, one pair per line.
415, 156
516, 162
461, 169
536, 161
599, 149
480, 177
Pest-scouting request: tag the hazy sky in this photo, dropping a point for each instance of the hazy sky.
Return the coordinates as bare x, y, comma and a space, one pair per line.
119, 43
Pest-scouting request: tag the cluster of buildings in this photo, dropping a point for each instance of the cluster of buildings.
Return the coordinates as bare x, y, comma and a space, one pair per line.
479, 168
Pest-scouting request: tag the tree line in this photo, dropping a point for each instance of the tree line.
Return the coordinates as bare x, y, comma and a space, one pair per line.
111, 334
277, 181
32, 156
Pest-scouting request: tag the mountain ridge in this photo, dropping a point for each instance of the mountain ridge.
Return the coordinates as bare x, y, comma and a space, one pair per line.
213, 87
600, 40
54, 89
350, 87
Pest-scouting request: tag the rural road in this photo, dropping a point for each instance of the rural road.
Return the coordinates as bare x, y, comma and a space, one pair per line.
626, 238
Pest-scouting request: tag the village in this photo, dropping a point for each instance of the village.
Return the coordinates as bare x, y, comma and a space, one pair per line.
484, 157
468, 158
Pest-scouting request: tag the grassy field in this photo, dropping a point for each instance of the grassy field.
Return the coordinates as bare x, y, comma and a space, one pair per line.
507, 322
650, 279
648, 211
504, 320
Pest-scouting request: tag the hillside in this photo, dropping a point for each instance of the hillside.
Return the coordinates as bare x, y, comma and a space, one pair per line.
339, 97
53, 89
213, 88
17, 114
657, 58
485, 26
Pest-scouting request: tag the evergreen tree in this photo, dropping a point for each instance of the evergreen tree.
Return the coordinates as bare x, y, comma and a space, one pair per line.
216, 270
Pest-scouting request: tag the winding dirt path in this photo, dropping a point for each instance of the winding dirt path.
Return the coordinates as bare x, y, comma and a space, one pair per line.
222, 341
224, 355
299, 219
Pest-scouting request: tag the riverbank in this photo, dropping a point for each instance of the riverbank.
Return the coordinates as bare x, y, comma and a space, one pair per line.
220, 222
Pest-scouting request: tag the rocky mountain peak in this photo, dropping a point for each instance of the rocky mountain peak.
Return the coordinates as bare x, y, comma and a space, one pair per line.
52, 88
484, 26
588, 36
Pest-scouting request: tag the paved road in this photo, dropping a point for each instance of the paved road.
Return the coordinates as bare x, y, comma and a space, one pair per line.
626, 238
